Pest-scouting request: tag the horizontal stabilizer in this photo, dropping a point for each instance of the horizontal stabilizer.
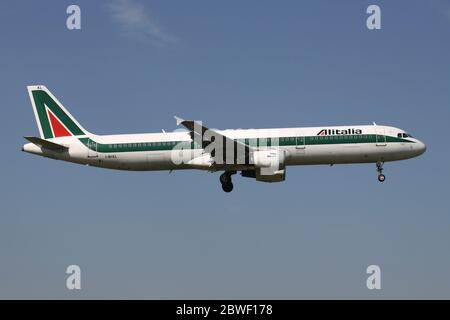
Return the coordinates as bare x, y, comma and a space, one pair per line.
46, 144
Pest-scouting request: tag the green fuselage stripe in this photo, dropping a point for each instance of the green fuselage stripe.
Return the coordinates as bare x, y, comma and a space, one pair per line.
282, 142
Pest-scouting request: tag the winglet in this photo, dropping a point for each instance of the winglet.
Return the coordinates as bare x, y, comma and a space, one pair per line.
179, 120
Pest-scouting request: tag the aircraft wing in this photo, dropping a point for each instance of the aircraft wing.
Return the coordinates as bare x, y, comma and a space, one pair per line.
46, 144
197, 132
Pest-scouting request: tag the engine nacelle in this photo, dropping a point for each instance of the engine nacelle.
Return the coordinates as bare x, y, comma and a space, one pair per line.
269, 165
273, 158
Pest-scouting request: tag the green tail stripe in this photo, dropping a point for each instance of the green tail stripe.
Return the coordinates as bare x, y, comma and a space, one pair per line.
42, 99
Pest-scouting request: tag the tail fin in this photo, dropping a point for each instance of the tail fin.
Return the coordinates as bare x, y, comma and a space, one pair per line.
52, 118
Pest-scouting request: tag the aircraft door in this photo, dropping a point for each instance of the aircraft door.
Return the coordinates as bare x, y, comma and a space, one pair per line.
92, 149
299, 151
380, 136
300, 143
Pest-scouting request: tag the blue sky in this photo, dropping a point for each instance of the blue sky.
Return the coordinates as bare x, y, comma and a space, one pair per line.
232, 64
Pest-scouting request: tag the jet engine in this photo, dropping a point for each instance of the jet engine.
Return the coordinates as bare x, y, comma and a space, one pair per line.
269, 166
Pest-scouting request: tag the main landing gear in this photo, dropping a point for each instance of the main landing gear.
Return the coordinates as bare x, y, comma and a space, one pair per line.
225, 180
381, 176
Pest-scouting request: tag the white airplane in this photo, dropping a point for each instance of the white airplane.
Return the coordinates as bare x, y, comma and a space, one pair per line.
262, 154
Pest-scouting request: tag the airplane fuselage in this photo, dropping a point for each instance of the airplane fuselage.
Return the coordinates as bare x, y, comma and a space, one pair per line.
302, 146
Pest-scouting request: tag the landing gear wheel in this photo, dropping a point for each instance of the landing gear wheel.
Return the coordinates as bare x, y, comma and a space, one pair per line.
381, 176
225, 178
227, 187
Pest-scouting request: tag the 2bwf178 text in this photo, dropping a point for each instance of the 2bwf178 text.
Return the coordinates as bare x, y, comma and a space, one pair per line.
226, 309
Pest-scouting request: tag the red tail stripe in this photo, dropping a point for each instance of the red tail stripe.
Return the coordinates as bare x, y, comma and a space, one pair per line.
58, 129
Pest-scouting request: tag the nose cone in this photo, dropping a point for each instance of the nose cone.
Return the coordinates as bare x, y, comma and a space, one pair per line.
421, 147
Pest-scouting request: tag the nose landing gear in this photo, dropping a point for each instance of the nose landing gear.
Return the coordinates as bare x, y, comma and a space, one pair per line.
225, 180
381, 176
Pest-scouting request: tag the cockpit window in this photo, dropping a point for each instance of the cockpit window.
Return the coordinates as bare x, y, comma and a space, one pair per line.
404, 135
